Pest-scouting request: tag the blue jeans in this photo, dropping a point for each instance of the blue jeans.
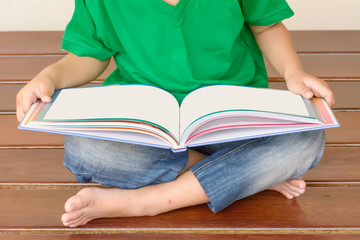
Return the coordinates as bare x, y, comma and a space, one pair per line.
232, 170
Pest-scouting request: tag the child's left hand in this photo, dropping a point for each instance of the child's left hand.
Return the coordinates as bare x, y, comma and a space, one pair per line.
308, 86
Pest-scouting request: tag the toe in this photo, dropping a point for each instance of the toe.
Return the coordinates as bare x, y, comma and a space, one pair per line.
65, 220
287, 194
79, 222
299, 183
73, 204
69, 218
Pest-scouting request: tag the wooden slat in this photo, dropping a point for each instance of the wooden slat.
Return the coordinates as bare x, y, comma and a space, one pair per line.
339, 164
348, 133
25, 68
349, 130
305, 41
182, 237
8, 95
33, 166
319, 207
346, 93
11, 136
325, 66
31, 43
326, 41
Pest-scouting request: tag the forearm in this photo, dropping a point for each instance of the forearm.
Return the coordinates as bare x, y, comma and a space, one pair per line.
73, 71
277, 46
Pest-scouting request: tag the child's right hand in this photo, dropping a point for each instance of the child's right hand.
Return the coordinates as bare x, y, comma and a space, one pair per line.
38, 88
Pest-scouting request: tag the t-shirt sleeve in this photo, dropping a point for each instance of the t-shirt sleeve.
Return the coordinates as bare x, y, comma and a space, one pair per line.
265, 12
80, 36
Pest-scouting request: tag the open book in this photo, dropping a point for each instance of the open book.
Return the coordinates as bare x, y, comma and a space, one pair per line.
151, 116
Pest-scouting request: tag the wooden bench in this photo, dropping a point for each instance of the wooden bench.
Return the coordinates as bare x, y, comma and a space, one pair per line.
34, 185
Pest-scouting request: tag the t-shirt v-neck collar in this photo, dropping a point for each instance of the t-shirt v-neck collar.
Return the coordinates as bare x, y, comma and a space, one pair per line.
176, 11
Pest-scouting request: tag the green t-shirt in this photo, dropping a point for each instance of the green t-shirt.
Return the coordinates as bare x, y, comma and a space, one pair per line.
178, 48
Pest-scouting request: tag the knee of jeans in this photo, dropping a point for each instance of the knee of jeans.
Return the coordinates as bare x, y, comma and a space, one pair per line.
118, 164
75, 159
310, 148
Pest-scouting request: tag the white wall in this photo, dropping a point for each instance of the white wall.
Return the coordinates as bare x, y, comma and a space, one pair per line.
35, 15
324, 15
31, 15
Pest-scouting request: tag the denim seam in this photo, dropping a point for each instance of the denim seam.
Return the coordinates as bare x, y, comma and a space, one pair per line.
221, 157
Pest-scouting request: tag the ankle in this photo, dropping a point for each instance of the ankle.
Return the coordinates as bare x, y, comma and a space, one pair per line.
151, 202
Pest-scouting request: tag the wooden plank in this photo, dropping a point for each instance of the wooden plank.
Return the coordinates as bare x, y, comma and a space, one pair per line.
348, 133
31, 43
180, 237
11, 136
326, 41
339, 164
325, 66
49, 42
346, 93
33, 166
25, 68
320, 207
349, 130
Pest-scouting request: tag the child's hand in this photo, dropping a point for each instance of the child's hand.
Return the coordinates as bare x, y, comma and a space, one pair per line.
308, 86
38, 88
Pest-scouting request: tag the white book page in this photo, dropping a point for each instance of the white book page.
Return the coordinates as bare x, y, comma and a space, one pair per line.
140, 102
228, 135
124, 136
217, 98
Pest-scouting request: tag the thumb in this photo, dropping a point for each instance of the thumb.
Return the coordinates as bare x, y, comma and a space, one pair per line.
306, 93
302, 89
45, 96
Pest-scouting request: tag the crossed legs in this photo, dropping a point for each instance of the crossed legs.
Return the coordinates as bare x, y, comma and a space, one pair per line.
191, 187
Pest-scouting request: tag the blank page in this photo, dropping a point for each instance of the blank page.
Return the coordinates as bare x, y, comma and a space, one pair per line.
217, 98
138, 102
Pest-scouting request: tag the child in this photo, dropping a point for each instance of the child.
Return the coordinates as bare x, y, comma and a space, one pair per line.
179, 46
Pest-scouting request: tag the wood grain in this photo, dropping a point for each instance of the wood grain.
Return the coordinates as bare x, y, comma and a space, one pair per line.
339, 164
31, 43
155, 236
33, 166
318, 208
11, 136
326, 41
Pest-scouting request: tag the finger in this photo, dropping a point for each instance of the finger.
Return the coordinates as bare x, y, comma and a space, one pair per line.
329, 97
303, 90
19, 114
24, 103
307, 93
324, 91
19, 110
45, 95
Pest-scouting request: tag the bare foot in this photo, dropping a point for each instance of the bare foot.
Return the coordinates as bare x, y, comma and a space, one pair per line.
93, 203
291, 188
